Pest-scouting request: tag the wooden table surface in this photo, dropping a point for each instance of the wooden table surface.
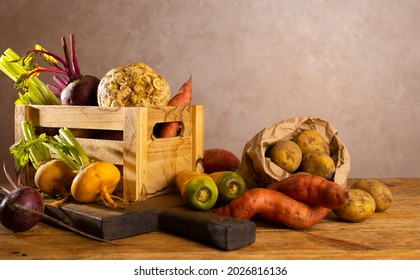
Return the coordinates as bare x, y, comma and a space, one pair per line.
393, 234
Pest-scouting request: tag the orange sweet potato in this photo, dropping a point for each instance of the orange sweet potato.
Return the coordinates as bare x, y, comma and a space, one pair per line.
274, 206
182, 98
314, 190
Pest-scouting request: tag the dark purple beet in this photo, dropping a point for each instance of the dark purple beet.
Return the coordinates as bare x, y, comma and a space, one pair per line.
82, 91
17, 219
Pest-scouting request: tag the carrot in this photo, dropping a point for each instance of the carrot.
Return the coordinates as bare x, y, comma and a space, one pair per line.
314, 190
198, 190
230, 185
274, 206
182, 98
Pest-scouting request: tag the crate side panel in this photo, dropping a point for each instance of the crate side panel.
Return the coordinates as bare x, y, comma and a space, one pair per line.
166, 158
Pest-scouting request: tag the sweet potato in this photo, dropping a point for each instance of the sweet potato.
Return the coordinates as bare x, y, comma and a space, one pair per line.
314, 190
274, 206
217, 159
182, 98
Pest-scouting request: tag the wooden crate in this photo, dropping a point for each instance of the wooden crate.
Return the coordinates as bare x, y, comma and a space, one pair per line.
125, 137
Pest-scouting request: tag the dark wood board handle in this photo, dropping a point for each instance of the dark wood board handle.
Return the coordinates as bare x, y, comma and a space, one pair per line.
223, 232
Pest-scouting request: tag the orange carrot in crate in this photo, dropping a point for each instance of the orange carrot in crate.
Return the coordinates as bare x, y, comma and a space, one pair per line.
314, 190
182, 98
273, 206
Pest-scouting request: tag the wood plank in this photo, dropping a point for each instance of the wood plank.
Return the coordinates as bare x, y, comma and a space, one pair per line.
166, 212
85, 117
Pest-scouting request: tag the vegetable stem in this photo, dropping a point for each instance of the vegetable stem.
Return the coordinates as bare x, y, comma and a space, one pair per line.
30, 147
71, 140
74, 61
62, 155
35, 90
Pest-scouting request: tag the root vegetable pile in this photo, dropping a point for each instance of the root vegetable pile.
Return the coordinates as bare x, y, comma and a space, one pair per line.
367, 196
23, 207
71, 170
274, 206
298, 202
307, 152
95, 180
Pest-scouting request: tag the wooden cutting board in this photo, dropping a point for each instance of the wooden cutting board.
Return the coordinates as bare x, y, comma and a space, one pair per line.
165, 212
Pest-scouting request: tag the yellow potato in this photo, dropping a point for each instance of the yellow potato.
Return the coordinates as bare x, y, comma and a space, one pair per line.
311, 140
286, 154
361, 206
379, 191
318, 163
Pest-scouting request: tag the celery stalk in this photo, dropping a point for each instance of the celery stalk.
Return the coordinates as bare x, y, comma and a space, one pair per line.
36, 90
30, 147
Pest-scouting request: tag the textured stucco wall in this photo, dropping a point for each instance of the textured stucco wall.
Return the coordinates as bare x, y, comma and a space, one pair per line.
254, 63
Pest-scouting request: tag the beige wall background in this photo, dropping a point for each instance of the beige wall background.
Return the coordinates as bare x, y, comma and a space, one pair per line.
254, 63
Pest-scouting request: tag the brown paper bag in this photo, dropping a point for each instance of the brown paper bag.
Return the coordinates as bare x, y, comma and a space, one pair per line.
259, 171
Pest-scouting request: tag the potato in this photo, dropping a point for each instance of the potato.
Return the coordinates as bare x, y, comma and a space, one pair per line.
311, 140
379, 191
318, 163
360, 206
286, 154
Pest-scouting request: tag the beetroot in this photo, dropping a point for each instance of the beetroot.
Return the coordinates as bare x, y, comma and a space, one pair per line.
81, 91
74, 88
18, 219
14, 204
